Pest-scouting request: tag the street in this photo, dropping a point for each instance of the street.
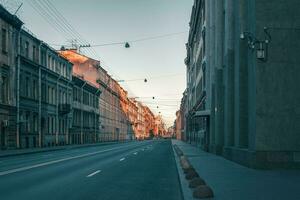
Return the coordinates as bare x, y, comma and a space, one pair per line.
133, 170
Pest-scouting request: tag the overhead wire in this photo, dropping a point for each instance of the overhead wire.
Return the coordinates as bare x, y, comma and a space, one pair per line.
141, 39
58, 22
64, 23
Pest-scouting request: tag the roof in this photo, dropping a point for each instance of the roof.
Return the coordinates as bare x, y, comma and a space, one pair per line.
9, 18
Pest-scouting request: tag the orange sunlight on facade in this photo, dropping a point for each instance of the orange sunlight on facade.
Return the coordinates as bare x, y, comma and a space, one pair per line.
121, 117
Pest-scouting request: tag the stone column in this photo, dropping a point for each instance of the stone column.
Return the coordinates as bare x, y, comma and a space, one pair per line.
219, 96
243, 77
229, 73
211, 67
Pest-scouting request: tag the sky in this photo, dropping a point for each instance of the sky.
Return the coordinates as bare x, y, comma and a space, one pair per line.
160, 61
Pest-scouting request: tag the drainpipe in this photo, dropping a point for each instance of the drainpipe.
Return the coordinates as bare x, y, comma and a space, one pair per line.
40, 99
57, 103
18, 88
81, 116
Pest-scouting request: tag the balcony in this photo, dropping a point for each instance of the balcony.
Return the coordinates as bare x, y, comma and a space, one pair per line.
64, 108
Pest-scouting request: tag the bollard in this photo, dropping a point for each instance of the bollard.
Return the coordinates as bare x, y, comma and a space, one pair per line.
195, 182
187, 170
185, 164
191, 175
203, 191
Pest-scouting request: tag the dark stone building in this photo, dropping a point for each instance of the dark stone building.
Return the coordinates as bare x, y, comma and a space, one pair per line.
243, 80
9, 35
45, 94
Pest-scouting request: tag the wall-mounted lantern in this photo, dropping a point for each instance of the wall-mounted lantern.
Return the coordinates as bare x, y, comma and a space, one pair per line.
127, 45
261, 46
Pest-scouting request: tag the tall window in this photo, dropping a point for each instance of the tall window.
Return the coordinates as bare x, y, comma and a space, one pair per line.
34, 89
26, 49
43, 58
43, 92
49, 125
27, 87
4, 89
49, 62
35, 123
27, 119
4, 40
49, 95
53, 64
33, 53
21, 45
54, 96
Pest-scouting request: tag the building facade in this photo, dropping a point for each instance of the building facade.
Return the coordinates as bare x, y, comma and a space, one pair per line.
140, 133
85, 127
45, 94
149, 122
133, 115
114, 123
35, 89
247, 59
178, 125
9, 38
50, 98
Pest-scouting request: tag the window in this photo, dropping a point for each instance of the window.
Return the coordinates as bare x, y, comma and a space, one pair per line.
49, 124
43, 92
65, 70
26, 49
21, 45
4, 40
64, 97
4, 89
53, 125
35, 123
53, 64
74, 94
49, 94
53, 95
27, 119
49, 62
27, 87
34, 89
43, 58
33, 53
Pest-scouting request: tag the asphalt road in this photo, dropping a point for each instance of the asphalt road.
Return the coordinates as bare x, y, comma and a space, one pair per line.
134, 170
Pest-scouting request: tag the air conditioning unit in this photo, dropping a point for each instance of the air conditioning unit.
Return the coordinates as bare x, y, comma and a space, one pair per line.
5, 123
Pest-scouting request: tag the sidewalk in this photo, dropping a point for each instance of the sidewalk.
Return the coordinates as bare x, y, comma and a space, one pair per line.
17, 152
231, 181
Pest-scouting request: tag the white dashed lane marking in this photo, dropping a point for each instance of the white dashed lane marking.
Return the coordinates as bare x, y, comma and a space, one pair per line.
122, 159
11, 171
94, 173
